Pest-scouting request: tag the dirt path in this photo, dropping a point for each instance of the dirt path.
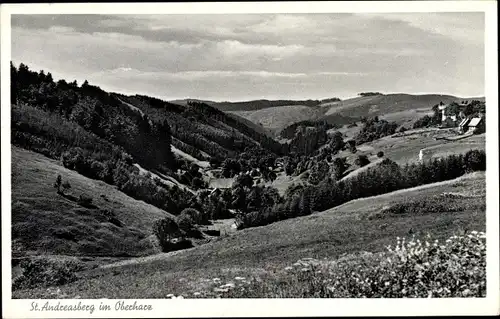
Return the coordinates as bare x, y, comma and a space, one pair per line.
146, 259
202, 164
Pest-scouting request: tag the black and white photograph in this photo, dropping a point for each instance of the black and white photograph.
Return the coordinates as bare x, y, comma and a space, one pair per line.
278, 154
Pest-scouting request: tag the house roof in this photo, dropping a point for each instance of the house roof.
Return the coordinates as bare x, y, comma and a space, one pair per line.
475, 121
464, 122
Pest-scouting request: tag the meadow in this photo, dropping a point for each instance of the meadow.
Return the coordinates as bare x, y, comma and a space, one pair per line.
360, 225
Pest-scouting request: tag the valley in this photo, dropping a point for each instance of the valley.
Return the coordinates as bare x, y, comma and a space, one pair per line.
109, 188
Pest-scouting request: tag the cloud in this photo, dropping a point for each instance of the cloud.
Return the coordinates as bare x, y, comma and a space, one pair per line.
259, 55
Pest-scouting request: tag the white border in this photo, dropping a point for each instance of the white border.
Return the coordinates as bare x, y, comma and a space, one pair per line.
271, 307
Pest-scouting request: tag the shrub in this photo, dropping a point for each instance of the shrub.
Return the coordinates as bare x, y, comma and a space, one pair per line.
197, 183
380, 154
41, 272
166, 230
351, 146
195, 215
187, 227
475, 160
362, 160
57, 184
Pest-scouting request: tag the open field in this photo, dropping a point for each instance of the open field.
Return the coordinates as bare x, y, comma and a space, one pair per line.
355, 226
369, 106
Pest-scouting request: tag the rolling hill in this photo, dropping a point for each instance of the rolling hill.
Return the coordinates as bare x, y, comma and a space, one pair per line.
400, 108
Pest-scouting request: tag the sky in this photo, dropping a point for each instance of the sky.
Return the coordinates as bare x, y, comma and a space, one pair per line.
235, 57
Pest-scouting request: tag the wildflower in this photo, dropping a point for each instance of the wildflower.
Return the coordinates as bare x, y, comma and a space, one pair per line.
221, 289
288, 268
197, 293
228, 285
239, 278
386, 283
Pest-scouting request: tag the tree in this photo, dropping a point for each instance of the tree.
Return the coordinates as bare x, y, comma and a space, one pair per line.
339, 167
186, 226
165, 230
362, 160
337, 142
475, 160
351, 145
57, 184
243, 180
197, 183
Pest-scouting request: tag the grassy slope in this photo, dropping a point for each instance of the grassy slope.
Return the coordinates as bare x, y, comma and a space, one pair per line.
277, 118
401, 108
38, 212
402, 150
385, 104
345, 229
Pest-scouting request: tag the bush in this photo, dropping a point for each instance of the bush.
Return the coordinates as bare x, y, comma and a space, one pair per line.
475, 160
351, 146
362, 160
41, 272
194, 214
166, 230
197, 183
57, 184
187, 227
380, 154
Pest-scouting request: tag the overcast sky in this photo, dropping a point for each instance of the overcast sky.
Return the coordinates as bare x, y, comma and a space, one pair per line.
240, 57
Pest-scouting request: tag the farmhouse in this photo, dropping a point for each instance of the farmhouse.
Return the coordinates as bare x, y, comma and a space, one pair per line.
476, 125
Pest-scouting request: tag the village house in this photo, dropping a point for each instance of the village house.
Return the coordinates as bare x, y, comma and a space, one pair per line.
476, 125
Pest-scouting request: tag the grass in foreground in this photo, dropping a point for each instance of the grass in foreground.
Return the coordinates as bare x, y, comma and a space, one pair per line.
455, 268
